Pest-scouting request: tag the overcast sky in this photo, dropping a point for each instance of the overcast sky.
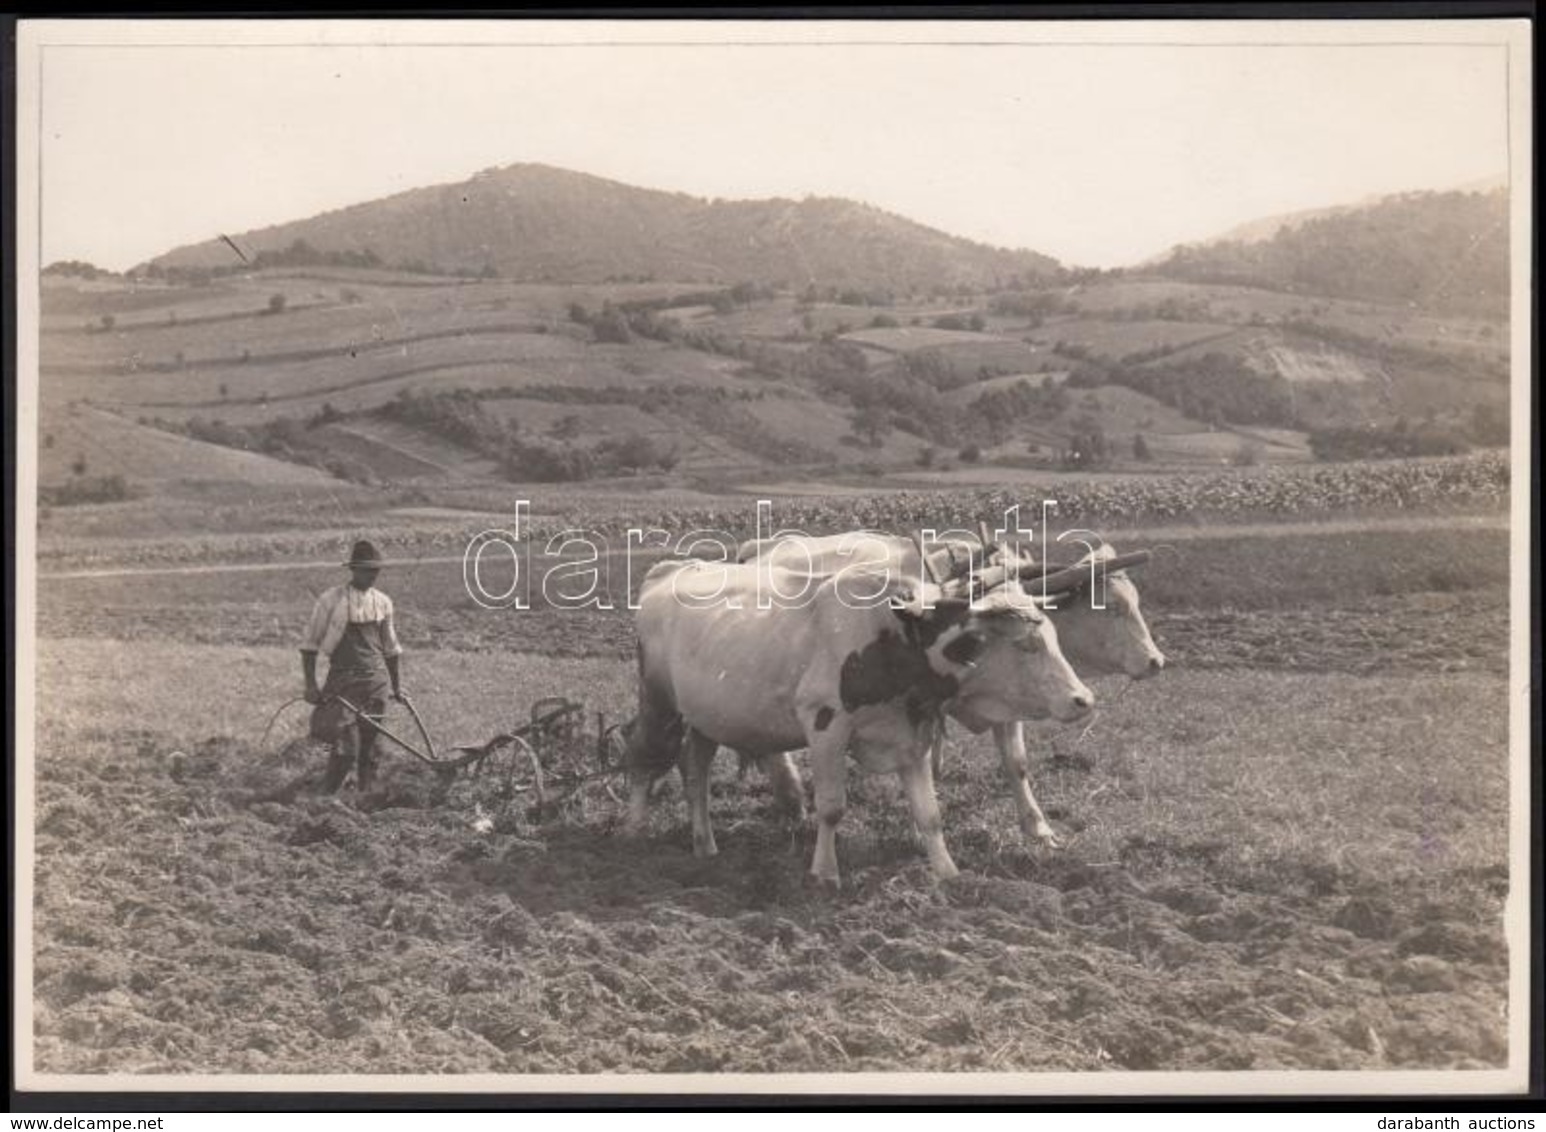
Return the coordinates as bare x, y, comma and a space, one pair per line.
1097, 154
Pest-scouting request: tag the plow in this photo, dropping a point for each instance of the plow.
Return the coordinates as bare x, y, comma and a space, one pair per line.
547, 759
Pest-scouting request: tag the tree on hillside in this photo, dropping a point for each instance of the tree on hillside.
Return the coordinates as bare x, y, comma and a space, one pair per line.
1088, 447
871, 423
611, 325
1141, 448
77, 267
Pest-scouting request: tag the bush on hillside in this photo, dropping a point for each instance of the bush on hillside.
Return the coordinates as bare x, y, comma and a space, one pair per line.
87, 489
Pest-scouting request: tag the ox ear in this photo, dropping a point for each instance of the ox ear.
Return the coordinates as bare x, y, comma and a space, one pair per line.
909, 599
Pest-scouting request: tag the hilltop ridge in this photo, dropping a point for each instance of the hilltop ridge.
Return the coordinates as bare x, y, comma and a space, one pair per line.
537, 223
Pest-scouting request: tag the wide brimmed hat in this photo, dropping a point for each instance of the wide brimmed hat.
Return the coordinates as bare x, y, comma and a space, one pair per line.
364, 554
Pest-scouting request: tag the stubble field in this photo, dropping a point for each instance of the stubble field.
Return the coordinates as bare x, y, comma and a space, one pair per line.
1287, 851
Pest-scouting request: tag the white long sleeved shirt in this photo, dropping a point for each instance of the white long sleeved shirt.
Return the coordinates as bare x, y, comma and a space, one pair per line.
342, 605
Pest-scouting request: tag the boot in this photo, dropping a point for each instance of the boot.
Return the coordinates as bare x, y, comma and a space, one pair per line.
365, 773
337, 770
340, 760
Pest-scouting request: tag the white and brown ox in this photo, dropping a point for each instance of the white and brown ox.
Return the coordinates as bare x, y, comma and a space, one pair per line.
767, 660
1099, 637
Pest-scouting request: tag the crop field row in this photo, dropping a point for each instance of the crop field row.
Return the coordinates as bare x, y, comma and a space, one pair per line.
818, 427
71, 310
696, 449
906, 339
995, 355
314, 324
1284, 491
1408, 487
494, 361
445, 456
397, 296
317, 320
1117, 339
279, 339
197, 387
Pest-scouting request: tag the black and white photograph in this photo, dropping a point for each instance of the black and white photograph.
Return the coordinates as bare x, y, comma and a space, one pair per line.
773, 557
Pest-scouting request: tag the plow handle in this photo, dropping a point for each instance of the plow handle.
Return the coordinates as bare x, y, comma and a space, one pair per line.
360, 713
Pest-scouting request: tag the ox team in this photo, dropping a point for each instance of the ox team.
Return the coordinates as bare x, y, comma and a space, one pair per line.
885, 640
883, 644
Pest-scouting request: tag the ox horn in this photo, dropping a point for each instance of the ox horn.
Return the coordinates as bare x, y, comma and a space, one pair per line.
985, 581
1128, 561
1061, 579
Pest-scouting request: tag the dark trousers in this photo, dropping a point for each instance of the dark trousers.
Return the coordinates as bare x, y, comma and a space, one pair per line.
357, 672
353, 746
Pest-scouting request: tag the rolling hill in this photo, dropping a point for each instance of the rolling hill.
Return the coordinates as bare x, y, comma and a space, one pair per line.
537, 223
1443, 252
1266, 227
533, 325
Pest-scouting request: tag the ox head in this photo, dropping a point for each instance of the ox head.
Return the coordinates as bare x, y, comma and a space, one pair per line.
1113, 640
995, 648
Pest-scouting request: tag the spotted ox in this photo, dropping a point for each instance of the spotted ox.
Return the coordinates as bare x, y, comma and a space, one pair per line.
1099, 638
767, 660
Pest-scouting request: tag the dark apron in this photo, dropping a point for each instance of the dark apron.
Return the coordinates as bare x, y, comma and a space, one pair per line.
356, 671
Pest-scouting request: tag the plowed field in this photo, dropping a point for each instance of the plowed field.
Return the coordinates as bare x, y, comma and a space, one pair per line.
1268, 867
